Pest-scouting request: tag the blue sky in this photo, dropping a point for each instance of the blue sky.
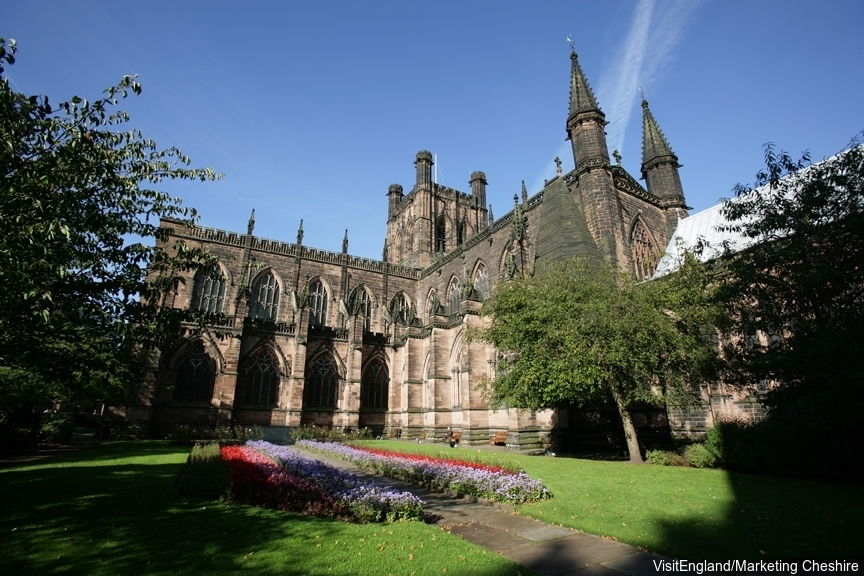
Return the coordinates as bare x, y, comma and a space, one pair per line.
311, 109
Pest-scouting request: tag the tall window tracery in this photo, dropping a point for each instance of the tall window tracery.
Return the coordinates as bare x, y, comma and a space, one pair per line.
265, 298
482, 283
440, 234
643, 251
400, 308
317, 304
374, 386
361, 304
195, 377
261, 379
209, 292
322, 383
455, 298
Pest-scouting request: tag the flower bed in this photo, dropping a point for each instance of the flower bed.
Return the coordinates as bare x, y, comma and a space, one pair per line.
258, 481
471, 478
366, 500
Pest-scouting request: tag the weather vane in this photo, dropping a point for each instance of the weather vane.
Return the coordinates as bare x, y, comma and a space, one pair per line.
570, 40
642, 93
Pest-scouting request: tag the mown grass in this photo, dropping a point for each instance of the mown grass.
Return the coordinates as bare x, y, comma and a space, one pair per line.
112, 509
687, 512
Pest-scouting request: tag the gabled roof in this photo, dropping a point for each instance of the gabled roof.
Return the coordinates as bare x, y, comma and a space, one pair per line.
563, 231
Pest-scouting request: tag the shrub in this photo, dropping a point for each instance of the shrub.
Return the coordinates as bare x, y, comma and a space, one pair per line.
321, 434
205, 474
182, 435
239, 433
738, 445
57, 428
665, 458
699, 456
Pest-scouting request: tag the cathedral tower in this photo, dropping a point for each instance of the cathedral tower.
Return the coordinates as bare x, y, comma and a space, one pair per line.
595, 187
660, 169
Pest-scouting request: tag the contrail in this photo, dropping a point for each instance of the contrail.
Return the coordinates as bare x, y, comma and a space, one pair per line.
617, 87
644, 58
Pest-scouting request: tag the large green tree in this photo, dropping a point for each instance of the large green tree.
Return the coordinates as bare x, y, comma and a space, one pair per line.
579, 332
80, 232
795, 296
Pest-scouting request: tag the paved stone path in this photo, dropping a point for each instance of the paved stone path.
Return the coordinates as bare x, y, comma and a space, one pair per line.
546, 549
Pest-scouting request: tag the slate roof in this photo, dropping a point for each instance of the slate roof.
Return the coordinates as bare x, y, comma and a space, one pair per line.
563, 231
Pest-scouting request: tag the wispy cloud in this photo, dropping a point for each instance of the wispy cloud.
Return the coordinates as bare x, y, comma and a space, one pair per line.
643, 59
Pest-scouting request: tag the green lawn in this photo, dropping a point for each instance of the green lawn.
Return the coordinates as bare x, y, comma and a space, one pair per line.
111, 509
687, 512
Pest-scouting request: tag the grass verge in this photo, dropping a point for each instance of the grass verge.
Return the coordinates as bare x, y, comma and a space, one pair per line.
687, 512
112, 509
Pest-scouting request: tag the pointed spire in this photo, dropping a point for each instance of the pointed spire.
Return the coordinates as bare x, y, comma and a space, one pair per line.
524, 193
345, 243
251, 226
491, 216
581, 97
300, 233
654, 144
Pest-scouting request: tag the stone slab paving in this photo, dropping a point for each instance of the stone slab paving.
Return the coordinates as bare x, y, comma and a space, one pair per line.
546, 549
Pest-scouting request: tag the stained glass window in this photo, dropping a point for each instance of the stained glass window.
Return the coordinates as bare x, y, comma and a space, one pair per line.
643, 251
400, 308
455, 296
374, 386
195, 377
265, 298
209, 290
322, 384
361, 304
261, 379
317, 304
482, 284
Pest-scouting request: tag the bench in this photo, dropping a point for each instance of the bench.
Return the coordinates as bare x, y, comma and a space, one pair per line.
498, 438
454, 439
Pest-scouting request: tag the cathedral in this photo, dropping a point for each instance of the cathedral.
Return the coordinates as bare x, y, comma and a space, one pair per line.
329, 339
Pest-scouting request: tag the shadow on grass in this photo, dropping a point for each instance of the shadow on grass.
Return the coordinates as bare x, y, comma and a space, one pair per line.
81, 514
770, 518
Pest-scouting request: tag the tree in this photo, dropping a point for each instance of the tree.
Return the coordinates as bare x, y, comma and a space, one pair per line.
80, 224
795, 296
579, 332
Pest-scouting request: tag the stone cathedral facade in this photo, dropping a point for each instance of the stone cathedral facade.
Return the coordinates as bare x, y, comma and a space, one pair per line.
330, 339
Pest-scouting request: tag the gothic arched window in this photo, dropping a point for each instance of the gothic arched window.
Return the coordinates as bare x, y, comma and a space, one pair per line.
643, 251
322, 384
195, 377
209, 291
440, 234
455, 298
265, 298
317, 304
374, 385
261, 379
482, 284
361, 305
400, 309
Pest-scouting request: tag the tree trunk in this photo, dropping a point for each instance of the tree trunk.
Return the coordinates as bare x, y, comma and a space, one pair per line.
629, 429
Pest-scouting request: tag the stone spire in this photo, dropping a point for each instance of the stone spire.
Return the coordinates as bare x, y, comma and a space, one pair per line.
654, 144
251, 227
660, 166
581, 97
345, 243
300, 233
